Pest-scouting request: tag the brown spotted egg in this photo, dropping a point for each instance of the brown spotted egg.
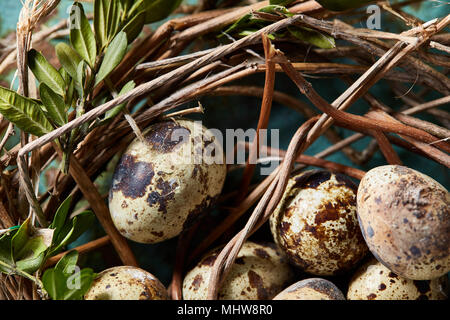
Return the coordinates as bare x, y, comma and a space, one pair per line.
163, 184
126, 283
315, 223
405, 219
311, 289
259, 273
373, 281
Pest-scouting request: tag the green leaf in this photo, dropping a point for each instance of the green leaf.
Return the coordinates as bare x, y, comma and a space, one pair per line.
55, 283
81, 76
137, 6
127, 4
85, 279
66, 77
33, 247
61, 216
45, 72
70, 96
275, 9
54, 104
69, 260
5, 251
340, 5
101, 8
134, 27
245, 33
80, 223
157, 10
114, 54
71, 231
68, 58
313, 37
28, 247
32, 255
20, 239
24, 113
65, 281
116, 110
81, 36
239, 24
113, 19
248, 22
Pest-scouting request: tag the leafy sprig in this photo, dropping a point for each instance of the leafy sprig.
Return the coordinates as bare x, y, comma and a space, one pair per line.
66, 281
24, 250
250, 23
87, 60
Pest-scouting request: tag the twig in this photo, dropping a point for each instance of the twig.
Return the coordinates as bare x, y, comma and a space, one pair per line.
272, 196
264, 115
352, 120
84, 248
101, 210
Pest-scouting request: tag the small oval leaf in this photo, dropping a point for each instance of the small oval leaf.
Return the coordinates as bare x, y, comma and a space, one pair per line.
69, 260
54, 104
134, 27
45, 72
113, 19
101, 8
116, 110
313, 37
54, 283
61, 216
157, 10
24, 113
81, 36
114, 54
68, 58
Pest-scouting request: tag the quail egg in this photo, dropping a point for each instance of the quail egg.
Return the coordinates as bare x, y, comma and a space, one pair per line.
315, 223
405, 219
163, 184
259, 273
126, 283
311, 289
373, 281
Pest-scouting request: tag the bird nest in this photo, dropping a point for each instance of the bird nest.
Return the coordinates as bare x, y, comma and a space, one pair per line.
159, 71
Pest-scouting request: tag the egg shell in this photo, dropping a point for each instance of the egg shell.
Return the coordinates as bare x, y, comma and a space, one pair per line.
161, 186
126, 283
405, 219
373, 281
315, 224
311, 289
259, 273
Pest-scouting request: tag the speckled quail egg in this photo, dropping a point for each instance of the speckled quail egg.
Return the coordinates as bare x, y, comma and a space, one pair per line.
163, 184
315, 223
311, 289
126, 283
405, 218
373, 281
259, 273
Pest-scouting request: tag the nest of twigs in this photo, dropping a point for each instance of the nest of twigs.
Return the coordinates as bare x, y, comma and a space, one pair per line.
183, 60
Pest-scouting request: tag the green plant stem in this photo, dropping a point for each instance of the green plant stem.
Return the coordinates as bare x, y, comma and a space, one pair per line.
25, 275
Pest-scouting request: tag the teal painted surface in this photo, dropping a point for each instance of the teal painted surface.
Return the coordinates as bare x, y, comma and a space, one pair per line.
9, 14
239, 112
